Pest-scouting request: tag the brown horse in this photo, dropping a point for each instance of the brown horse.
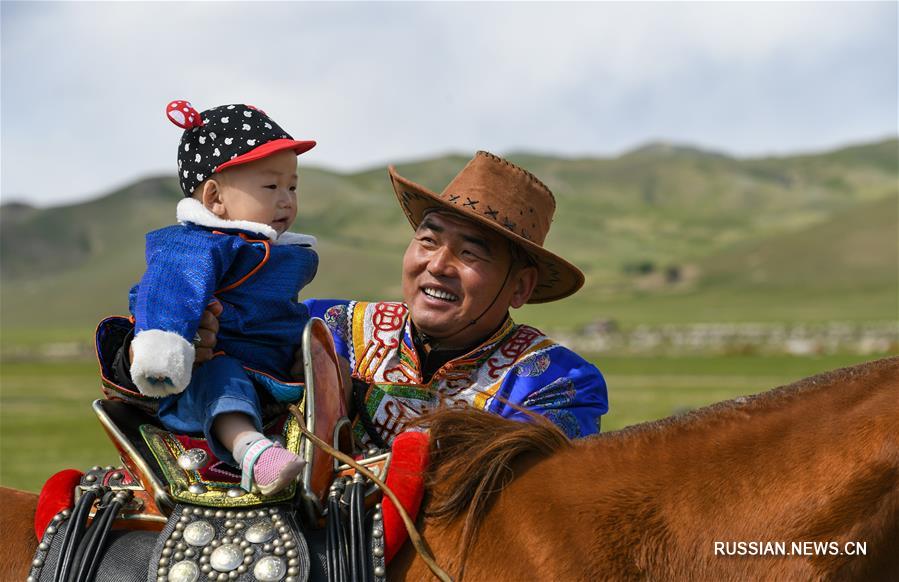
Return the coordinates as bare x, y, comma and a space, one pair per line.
816, 461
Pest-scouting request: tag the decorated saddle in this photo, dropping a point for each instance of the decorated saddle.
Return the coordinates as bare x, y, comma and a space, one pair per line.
172, 511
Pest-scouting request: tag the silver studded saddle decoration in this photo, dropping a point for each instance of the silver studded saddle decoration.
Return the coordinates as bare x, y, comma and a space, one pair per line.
262, 544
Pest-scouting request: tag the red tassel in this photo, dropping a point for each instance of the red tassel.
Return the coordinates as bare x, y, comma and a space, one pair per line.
406, 478
57, 494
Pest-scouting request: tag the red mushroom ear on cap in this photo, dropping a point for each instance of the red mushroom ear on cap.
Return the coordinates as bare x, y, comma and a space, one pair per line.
183, 114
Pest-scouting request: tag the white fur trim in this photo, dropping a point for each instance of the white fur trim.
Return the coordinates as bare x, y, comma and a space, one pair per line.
161, 354
296, 238
192, 210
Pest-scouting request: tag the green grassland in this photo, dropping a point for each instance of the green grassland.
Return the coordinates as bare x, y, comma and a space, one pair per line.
46, 423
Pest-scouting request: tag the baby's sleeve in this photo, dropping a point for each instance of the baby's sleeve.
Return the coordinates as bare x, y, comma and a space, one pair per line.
184, 266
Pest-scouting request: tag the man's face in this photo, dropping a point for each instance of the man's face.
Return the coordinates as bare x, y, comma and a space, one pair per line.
263, 191
452, 271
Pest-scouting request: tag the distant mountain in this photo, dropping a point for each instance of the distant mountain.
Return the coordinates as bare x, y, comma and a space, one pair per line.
664, 149
656, 226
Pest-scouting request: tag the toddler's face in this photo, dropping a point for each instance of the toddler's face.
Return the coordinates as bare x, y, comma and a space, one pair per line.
263, 191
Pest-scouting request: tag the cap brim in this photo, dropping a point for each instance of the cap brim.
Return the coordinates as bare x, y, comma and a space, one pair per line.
266, 150
557, 278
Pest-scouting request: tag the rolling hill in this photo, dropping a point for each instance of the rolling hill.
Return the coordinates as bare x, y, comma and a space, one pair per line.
664, 233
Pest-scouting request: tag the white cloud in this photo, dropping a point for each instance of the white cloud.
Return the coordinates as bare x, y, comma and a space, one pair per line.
84, 84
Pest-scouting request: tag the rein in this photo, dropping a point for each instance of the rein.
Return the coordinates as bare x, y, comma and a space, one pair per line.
414, 536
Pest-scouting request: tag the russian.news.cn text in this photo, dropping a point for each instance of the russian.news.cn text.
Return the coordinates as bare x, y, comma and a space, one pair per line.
803, 548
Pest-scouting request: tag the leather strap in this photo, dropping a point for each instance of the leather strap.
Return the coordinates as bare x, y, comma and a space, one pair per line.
95, 542
359, 568
72, 539
336, 546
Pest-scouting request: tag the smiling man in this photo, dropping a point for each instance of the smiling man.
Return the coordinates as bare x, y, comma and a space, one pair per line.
477, 251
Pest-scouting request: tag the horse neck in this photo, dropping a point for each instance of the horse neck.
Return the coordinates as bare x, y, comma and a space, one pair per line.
818, 460
824, 428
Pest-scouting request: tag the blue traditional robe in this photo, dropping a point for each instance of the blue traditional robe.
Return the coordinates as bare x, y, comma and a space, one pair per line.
255, 274
518, 367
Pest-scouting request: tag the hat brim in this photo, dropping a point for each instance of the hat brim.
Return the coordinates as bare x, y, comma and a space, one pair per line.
557, 278
267, 149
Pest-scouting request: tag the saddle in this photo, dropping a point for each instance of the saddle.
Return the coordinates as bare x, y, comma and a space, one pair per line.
172, 491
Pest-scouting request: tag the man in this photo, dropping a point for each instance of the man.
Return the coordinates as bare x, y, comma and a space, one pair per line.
476, 252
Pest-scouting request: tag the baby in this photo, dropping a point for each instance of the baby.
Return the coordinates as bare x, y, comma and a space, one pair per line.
238, 171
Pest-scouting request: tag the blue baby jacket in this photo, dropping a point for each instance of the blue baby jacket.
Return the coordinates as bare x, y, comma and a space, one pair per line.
254, 273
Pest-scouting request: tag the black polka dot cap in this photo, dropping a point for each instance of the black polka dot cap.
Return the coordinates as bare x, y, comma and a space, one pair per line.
225, 136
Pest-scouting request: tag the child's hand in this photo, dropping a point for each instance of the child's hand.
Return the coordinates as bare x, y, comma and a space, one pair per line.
209, 328
164, 381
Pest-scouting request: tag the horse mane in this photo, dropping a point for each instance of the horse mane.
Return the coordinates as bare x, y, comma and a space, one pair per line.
471, 456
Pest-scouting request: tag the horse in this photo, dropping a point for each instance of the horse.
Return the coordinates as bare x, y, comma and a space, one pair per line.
797, 483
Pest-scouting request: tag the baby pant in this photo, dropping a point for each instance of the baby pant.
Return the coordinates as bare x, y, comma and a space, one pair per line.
218, 386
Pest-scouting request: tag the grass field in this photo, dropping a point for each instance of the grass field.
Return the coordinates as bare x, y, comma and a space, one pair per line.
46, 423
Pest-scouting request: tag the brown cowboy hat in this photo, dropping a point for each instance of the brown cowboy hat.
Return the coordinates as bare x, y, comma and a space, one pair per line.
495, 193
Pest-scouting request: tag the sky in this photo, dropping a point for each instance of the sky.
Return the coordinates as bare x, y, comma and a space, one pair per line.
84, 85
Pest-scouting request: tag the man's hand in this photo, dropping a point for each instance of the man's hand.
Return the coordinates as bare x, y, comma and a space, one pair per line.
206, 334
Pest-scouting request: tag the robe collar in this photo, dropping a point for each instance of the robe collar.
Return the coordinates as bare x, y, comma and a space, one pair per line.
191, 210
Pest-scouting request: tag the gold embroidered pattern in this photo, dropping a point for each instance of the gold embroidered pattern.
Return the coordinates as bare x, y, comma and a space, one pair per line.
166, 450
